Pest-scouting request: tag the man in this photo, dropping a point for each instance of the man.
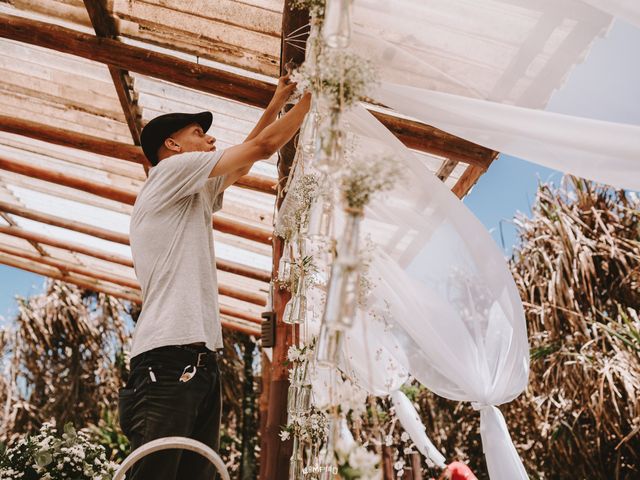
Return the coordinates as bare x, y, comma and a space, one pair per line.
174, 386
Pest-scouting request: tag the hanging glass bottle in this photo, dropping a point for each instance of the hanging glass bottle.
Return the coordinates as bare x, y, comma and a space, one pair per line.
329, 151
337, 23
320, 219
296, 464
284, 265
348, 246
286, 314
313, 461
328, 346
309, 131
329, 462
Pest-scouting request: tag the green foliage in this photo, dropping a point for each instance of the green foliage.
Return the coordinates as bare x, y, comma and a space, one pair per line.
108, 434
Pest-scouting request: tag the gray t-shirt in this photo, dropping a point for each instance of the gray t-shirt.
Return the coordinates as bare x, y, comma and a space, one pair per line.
172, 246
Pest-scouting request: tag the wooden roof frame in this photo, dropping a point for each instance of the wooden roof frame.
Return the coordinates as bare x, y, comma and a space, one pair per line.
251, 91
120, 58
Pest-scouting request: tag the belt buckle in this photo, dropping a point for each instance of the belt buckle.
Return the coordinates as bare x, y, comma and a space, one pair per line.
200, 362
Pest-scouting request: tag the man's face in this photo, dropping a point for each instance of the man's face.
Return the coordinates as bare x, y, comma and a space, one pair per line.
192, 139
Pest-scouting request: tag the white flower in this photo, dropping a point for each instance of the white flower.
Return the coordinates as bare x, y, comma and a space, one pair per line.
399, 465
293, 355
404, 437
388, 440
362, 459
285, 435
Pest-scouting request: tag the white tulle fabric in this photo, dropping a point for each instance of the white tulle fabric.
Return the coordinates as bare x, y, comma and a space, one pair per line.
628, 10
484, 71
602, 151
444, 307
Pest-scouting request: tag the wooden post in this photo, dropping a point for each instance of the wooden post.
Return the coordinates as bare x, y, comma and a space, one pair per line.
277, 452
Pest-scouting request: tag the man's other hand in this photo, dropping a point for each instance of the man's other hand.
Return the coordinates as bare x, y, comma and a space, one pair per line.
283, 91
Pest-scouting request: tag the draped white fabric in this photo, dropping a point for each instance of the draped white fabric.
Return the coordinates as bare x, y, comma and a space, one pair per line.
602, 151
438, 60
628, 10
443, 306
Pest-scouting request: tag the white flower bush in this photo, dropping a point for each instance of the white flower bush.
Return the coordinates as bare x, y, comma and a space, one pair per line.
48, 456
358, 463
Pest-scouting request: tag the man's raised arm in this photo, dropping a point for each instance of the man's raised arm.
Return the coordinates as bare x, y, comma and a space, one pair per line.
237, 160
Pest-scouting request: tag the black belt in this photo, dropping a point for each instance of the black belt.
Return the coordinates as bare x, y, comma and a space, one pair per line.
203, 356
196, 355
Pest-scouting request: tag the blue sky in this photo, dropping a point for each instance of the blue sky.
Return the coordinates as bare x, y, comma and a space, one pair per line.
606, 86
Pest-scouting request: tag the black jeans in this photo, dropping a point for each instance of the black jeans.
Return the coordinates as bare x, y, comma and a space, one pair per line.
155, 404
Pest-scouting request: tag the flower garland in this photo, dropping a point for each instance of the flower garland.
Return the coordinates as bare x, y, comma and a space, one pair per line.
339, 78
301, 196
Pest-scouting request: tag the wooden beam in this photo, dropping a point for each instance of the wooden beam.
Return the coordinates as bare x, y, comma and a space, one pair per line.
233, 227
108, 148
223, 265
469, 178
126, 196
91, 284
277, 453
211, 80
146, 62
233, 312
81, 281
446, 168
425, 138
67, 245
105, 27
65, 266
227, 290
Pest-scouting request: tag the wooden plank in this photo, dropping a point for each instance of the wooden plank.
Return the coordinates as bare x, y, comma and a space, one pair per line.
446, 168
117, 237
277, 453
104, 147
425, 138
223, 289
67, 245
208, 79
240, 14
66, 266
128, 57
22, 106
205, 37
105, 27
469, 178
124, 196
83, 281
96, 285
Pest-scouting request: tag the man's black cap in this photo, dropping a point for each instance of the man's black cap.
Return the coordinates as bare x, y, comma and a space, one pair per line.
160, 128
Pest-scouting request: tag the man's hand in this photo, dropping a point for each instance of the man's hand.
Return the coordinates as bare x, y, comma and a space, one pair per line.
283, 91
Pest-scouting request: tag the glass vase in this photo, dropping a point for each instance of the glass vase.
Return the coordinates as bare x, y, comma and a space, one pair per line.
284, 265
296, 464
328, 346
328, 462
329, 148
309, 131
320, 219
337, 23
292, 399
286, 314
348, 246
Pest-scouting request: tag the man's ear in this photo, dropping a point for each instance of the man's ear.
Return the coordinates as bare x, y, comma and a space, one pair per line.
171, 144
